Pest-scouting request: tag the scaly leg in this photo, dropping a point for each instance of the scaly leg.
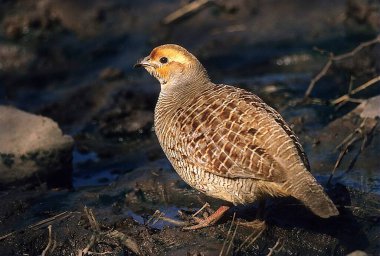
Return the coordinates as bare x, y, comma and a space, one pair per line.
210, 220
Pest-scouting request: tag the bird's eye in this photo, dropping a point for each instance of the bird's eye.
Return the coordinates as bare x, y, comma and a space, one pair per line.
164, 60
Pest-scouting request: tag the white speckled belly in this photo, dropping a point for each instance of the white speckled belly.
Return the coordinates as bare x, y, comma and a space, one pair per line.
237, 191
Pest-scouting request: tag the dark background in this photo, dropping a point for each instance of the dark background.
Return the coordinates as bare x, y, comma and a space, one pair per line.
72, 62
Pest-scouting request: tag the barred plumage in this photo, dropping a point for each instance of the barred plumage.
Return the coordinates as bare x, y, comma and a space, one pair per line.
225, 141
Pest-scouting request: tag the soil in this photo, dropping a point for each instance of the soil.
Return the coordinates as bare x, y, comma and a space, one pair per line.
72, 61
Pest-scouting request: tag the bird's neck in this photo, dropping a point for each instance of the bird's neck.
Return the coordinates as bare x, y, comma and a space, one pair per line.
176, 96
183, 90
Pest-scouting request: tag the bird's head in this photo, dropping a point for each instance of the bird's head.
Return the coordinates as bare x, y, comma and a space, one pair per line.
173, 66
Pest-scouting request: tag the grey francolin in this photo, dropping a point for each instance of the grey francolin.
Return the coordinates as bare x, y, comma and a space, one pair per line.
225, 141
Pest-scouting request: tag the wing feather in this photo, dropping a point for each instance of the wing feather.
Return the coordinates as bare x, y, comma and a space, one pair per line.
236, 136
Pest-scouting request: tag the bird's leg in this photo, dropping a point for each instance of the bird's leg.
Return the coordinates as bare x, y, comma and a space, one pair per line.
259, 222
210, 220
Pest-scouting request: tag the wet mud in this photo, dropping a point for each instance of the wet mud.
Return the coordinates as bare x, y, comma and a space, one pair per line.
72, 61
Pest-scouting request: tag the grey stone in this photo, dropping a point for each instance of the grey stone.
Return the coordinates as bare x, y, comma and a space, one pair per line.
357, 253
33, 149
369, 108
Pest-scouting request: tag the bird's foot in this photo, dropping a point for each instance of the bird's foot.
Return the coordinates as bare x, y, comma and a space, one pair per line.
256, 224
208, 221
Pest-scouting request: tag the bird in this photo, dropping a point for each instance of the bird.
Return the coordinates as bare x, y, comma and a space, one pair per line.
225, 141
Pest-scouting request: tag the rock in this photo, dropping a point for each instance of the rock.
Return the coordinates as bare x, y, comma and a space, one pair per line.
369, 108
357, 253
33, 149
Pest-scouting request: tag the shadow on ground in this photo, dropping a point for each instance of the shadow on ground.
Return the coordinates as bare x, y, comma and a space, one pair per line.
72, 62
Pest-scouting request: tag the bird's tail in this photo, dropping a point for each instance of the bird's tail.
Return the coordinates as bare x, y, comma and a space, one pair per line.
311, 194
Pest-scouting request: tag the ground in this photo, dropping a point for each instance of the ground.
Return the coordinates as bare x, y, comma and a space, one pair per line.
72, 61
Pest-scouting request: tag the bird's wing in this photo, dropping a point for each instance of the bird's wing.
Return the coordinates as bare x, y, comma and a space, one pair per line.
253, 100
234, 136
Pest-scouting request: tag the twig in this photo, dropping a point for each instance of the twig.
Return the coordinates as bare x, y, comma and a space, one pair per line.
48, 220
157, 212
93, 222
201, 209
337, 58
161, 214
257, 235
157, 216
367, 132
172, 221
228, 234
88, 247
360, 47
274, 248
49, 242
186, 10
99, 253
358, 101
356, 90
95, 227
349, 92
41, 223
7, 235
232, 239
321, 74
365, 128
351, 84
54, 243
126, 240
255, 238
345, 144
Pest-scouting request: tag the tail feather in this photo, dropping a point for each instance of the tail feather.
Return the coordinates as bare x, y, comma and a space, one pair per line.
311, 194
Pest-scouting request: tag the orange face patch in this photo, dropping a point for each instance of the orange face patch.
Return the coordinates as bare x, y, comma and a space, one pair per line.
163, 72
172, 67
173, 55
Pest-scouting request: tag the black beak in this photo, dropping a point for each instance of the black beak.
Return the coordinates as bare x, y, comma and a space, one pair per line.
137, 65
142, 62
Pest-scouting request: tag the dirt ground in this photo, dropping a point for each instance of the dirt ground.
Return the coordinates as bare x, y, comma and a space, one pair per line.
72, 61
